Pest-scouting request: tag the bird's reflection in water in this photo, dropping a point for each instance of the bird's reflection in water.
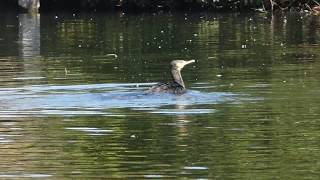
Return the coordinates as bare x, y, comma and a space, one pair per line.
182, 122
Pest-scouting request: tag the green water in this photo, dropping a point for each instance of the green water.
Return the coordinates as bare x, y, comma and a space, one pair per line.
73, 102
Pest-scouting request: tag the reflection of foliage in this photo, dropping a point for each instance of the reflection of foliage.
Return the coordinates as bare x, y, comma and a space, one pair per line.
273, 58
154, 5
189, 4
134, 5
142, 42
7, 5
77, 5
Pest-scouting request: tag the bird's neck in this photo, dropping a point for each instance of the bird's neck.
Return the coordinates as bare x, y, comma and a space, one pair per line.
176, 75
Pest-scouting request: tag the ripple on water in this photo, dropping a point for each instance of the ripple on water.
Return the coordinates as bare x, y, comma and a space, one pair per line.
99, 98
195, 168
91, 131
25, 175
183, 111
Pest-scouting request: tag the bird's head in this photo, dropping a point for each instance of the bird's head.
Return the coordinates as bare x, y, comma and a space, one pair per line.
179, 64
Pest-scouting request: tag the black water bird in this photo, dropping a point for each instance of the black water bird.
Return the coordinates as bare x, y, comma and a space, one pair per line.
177, 85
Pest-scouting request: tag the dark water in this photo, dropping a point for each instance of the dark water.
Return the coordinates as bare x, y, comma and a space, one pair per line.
73, 103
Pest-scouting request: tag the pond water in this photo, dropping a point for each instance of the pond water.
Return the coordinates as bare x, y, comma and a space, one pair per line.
73, 101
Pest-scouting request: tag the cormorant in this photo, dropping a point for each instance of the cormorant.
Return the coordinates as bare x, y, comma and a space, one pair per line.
177, 85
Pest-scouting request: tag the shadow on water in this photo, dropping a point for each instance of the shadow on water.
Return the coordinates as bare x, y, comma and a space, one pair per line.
101, 99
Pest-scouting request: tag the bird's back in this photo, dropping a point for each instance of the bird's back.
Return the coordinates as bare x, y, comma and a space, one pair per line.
169, 87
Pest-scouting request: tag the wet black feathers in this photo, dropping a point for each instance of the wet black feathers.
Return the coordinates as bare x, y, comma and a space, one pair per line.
169, 87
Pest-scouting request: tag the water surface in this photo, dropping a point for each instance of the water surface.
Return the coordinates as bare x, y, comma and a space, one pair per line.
73, 101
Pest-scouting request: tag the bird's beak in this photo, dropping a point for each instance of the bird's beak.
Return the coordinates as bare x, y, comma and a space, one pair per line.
189, 62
